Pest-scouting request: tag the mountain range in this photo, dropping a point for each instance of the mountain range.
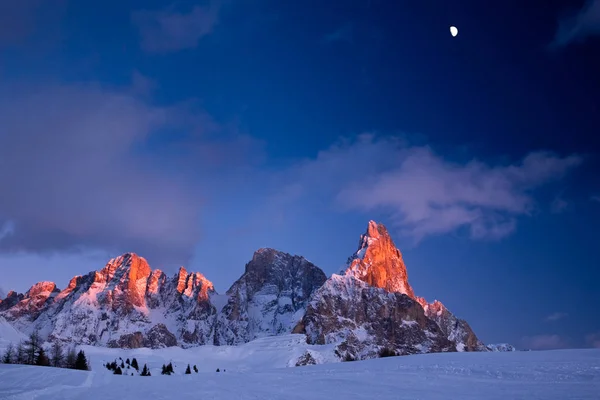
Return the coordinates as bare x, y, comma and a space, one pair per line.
367, 308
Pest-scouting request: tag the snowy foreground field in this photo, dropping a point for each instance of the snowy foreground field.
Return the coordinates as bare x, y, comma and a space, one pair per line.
258, 370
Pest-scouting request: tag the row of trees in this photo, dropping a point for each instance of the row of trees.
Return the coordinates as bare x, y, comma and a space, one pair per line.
119, 369
32, 352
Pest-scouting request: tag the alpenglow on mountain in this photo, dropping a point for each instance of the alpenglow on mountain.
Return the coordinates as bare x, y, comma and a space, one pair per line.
367, 308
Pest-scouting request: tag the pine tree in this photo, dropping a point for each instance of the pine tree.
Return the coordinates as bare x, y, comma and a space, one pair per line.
164, 370
134, 364
81, 361
122, 364
41, 358
170, 369
218, 370
144, 370
9, 355
32, 347
127, 362
71, 358
188, 370
118, 371
56, 355
20, 353
195, 369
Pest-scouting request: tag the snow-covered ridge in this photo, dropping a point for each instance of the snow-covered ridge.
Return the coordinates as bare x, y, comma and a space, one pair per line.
127, 304
369, 308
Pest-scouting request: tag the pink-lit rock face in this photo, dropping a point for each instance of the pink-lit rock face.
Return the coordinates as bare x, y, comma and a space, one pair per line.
379, 263
33, 302
372, 305
125, 303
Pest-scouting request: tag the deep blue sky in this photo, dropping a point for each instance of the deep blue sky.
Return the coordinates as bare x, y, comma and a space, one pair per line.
194, 133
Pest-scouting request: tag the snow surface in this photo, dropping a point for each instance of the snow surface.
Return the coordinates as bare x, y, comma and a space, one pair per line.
8, 334
558, 374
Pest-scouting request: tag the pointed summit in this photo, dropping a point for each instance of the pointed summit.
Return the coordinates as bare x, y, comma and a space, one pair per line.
378, 262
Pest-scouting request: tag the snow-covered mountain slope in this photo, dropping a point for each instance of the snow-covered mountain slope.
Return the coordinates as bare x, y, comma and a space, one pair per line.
563, 374
372, 306
501, 347
270, 298
128, 305
369, 308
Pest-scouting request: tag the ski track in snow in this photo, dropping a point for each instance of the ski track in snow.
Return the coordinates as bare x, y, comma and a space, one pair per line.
559, 374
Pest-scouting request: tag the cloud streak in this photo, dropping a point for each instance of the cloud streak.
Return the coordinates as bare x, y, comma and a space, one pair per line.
593, 340
74, 175
422, 193
556, 317
580, 26
168, 30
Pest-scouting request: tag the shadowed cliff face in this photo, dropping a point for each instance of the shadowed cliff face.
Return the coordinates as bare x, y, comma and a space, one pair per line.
370, 307
127, 304
269, 298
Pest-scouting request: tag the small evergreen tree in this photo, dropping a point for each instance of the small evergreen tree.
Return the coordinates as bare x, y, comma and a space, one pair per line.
134, 364
188, 370
118, 371
127, 362
41, 358
122, 364
32, 347
218, 370
20, 353
71, 358
56, 354
195, 369
81, 361
9, 355
144, 370
170, 369
164, 370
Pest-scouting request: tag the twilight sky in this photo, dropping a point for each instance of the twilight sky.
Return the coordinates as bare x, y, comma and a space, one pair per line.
195, 132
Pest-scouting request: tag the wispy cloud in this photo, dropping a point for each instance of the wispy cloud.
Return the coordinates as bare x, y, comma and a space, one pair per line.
593, 340
6, 229
556, 316
83, 173
579, 26
169, 30
544, 342
423, 193
19, 20
558, 205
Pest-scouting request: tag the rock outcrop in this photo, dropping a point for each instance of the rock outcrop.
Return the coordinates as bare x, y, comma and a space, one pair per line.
368, 310
127, 304
270, 298
371, 307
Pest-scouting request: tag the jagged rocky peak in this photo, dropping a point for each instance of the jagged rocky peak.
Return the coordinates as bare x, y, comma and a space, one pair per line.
31, 304
11, 299
378, 262
269, 298
190, 284
373, 305
270, 265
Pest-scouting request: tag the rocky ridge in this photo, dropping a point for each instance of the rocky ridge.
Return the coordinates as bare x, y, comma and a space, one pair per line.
368, 308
